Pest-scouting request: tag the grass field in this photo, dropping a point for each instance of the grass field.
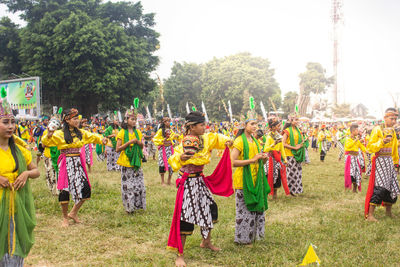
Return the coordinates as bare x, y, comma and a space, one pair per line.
324, 215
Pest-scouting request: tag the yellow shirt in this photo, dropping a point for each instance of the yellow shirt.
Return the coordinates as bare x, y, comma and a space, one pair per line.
24, 135
270, 145
7, 165
123, 159
46, 151
20, 142
238, 174
353, 145
375, 143
158, 139
210, 141
288, 151
58, 140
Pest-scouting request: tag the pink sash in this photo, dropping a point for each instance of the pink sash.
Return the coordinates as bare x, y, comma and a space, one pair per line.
164, 155
347, 176
62, 173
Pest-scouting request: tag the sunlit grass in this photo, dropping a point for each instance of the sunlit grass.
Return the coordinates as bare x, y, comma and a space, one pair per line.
324, 215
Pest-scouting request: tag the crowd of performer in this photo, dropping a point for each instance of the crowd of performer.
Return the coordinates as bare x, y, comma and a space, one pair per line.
256, 158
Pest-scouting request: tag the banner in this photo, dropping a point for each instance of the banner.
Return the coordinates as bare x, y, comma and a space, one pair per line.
23, 95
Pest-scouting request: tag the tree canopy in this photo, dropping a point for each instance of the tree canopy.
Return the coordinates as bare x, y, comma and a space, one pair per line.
89, 54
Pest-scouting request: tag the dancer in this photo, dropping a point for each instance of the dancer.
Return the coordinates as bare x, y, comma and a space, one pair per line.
164, 140
194, 203
72, 177
383, 185
87, 148
274, 168
352, 170
129, 145
294, 150
250, 184
17, 210
112, 155
322, 143
148, 142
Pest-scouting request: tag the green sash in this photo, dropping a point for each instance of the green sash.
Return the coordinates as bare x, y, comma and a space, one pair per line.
108, 132
54, 154
300, 154
135, 153
255, 196
23, 215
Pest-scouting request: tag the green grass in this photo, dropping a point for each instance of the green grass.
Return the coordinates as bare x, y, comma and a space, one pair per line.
324, 215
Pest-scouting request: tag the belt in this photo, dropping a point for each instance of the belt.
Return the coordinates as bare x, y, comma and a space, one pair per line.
72, 155
383, 154
192, 175
354, 153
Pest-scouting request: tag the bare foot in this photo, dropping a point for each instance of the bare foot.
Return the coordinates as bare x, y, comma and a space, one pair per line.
74, 218
209, 246
390, 215
371, 218
65, 223
163, 184
180, 261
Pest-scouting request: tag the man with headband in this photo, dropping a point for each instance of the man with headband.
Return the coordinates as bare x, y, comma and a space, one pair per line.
383, 186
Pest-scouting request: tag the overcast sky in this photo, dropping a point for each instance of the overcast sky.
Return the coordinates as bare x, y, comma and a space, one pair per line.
289, 33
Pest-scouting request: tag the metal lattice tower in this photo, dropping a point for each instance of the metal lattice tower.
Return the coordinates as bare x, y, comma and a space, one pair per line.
337, 19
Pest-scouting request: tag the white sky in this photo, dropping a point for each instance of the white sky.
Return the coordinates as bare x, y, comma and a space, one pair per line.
289, 33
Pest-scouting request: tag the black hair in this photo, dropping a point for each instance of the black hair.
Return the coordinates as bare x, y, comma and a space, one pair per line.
353, 127
13, 148
287, 125
391, 110
67, 133
259, 133
194, 116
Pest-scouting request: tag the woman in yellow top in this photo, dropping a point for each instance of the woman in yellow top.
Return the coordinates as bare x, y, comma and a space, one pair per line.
23, 131
194, 203
112, 155
72, 177
164, 140
322, 143
383, 185
293, 141
352, 169
250, 184
130, 145
274, 168
17, 211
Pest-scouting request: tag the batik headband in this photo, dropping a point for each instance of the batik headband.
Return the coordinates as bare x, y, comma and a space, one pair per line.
73, 112
391, 113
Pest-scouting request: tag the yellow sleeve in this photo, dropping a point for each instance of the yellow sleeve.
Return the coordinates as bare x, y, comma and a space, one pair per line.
158, 139
283, 151
20, 142
26, 154
375, 141
238, 144
217, 141
269, 144
139, 134
395, 150
349, 145
361, 146
91, 138
54, 140
175, 159
120, 136
321, 136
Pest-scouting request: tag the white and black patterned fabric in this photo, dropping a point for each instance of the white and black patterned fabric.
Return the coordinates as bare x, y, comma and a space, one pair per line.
150, 148
341, 150
168, 152
51, 176
100, 157
355, 170
133, 191
250, 225
112, 158
196, 203
78, 186
87, 154
14, 260
294, 176
307, 156
369, 165
386, 176
361, 159
276, 166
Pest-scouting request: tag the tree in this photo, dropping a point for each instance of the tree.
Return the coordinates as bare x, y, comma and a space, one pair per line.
313, 80
341, 110
235, 78
9, 46
359, 111
183, 85
89, 55
289, 102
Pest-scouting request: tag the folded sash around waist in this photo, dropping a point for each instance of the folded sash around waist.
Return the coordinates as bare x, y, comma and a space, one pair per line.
384, 154
192, 175
71, 152
354, 153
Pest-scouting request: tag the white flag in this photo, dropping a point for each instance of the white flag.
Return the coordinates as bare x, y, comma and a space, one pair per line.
263, 111
230, 110
187, 108
149, 114
169, 112
203, 107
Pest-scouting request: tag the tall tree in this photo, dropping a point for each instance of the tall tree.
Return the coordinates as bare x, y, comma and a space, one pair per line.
183, 85
235, 78
289, 102
89, 55
313, 80
9, 48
